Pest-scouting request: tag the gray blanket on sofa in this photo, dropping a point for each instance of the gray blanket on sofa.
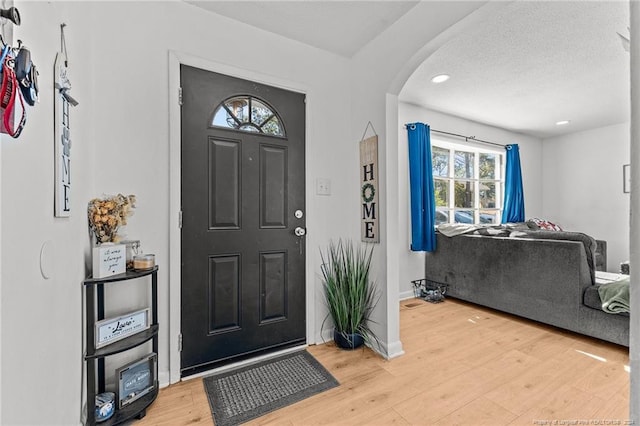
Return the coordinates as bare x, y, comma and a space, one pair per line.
499, 230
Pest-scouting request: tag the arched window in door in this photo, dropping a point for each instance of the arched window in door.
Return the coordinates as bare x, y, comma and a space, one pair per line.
248, 114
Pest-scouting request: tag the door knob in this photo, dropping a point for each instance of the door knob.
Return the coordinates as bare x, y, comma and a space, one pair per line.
300, 231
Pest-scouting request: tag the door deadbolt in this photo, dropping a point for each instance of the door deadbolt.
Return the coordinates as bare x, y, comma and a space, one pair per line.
298, 214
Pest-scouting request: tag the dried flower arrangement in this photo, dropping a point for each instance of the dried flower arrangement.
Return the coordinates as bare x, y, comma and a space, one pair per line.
107, 214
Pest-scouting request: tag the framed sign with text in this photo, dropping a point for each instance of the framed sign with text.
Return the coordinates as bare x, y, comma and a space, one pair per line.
369, 190
109, 259
114, 329
62, 101
62, 138
137, 379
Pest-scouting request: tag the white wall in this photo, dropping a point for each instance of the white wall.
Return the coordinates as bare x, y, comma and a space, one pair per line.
582, 184
378, 72
141, 146
412, 263
121, 144
120, 133
42, 318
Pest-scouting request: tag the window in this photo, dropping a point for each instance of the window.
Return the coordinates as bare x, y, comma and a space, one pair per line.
468, 183
248, 114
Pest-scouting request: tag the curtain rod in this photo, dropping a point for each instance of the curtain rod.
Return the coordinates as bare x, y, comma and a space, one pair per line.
466, 138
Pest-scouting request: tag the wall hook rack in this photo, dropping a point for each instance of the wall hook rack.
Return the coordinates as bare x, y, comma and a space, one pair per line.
12, 14
9, 16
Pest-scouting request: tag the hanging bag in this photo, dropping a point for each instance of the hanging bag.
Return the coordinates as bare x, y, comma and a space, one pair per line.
10, 96
27, 75
5, 51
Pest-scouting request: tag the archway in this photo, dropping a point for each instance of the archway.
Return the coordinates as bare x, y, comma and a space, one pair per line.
394, 174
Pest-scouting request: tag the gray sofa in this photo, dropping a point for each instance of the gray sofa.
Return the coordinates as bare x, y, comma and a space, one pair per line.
541, 276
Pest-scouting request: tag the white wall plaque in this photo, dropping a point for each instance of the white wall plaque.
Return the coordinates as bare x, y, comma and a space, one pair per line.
114, 329
109, 259
62, 138
62, 130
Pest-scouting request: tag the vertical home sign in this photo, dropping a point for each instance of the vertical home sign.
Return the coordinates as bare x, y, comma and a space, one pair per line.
62, 133
369, 190
62, 138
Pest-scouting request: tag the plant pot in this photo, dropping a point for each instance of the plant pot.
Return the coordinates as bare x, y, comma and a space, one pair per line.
351, 341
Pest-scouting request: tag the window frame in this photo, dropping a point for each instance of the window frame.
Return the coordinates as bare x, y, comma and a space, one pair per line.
450, 179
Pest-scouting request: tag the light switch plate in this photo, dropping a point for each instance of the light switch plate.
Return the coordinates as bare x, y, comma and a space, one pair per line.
323, 186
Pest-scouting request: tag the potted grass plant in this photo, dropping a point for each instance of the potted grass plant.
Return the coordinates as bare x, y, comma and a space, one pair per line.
349, 294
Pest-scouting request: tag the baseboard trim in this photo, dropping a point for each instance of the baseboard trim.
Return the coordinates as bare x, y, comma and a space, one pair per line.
393, 350
163, 379
387, 351
326, 336
406, 295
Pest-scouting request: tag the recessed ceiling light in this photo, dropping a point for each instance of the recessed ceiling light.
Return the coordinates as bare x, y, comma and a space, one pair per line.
440, 78
563, 122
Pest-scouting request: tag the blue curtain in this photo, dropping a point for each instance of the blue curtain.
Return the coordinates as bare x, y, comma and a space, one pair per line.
423, 205
513, 193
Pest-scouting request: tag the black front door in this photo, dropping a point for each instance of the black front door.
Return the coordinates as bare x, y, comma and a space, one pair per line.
242, 183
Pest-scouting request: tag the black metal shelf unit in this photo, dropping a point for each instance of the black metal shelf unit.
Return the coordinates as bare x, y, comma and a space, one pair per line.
94, 300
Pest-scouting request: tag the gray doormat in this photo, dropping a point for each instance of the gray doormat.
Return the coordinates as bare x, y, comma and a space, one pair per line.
241, 395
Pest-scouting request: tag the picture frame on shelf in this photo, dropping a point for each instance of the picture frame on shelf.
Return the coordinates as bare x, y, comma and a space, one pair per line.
136, 379
108, 331
109, 259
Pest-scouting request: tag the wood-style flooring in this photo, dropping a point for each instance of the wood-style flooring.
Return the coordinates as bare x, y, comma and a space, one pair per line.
463, 365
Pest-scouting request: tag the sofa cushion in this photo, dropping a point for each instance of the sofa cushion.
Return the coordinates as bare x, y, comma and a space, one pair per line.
589, 243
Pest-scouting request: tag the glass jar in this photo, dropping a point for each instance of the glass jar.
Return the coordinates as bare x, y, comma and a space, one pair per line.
144, 262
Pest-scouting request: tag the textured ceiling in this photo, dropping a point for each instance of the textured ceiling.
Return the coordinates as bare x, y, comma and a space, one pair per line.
341, 27
533, 64
529, 65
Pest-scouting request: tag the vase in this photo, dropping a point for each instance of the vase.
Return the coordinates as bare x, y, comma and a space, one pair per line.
347, 341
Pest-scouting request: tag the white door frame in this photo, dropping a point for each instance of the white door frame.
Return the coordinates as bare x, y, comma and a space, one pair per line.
175, 60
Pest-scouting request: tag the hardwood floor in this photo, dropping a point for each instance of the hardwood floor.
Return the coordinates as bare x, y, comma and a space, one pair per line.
463, 365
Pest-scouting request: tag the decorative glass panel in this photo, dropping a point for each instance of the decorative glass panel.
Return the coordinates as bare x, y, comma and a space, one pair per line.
248, 114
249, 128
239, 108
273, 127
440, 161
223, 118
259, 112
